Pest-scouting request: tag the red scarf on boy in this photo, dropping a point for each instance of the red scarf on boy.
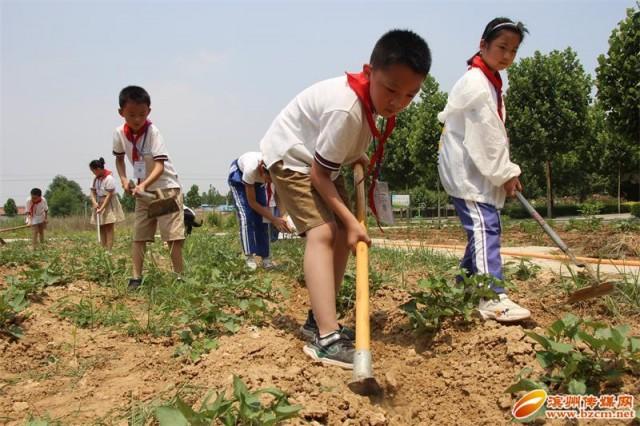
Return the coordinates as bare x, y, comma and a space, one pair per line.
134, 138
359, 83
32, 209
494, 78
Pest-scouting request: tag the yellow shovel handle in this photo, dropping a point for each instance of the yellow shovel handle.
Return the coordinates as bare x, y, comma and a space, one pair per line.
362, 267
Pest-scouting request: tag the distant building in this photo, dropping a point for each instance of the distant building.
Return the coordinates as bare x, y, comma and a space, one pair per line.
22, 211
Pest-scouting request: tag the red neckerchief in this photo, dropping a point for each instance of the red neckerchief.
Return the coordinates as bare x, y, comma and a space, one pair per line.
359, 83
135, 137
269, 194
105, 173
494, 78
32, 209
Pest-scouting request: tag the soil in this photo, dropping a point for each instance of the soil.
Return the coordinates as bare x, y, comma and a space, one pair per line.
82, 376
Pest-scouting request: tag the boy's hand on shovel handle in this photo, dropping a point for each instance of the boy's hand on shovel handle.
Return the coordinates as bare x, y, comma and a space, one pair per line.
356, 232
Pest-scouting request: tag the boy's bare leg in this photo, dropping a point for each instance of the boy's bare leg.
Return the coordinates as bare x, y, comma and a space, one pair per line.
175, 248
340, 257
34, 236
319, 275
138, 257
41, 233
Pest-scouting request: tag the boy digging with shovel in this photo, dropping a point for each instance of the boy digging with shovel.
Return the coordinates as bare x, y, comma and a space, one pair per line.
144, 146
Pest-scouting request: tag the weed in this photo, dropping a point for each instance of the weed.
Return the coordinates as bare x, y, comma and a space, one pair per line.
12, 302
523, 270
580, 356
244, 407
439, 299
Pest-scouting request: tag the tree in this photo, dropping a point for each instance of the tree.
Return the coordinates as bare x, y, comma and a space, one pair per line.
547, 102
193, 198
65, 197
397, 168
10, 208
618, 83
425, 135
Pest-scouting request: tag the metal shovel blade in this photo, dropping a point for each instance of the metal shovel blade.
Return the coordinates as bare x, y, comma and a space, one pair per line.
162, 207
590, 292
363, 382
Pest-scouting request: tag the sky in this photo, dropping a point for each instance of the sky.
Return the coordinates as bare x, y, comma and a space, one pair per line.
218, 72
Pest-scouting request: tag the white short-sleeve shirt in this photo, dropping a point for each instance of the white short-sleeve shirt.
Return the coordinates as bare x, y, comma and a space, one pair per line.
103, 186
325, 122
39, 210
152, 148
249, 164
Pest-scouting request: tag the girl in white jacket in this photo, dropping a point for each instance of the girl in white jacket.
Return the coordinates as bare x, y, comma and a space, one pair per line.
474, 164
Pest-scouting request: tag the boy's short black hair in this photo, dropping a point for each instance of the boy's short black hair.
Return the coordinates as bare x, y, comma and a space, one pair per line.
402, 47
135, 94
37, 192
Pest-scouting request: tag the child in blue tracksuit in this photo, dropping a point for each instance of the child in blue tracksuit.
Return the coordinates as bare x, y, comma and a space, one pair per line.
474, 164
250, 185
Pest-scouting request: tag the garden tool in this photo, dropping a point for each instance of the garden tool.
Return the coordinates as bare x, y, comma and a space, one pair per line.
363, 382
2, 242
160, 205
597, 288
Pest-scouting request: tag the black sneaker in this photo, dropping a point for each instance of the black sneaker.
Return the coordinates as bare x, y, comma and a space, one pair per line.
334, 349
310, 328
134, 283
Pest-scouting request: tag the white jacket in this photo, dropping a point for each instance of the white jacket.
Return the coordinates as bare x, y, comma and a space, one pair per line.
473, 161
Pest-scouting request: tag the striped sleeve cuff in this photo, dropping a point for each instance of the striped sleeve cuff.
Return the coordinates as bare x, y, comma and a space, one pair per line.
161, 158
118, 154
330, 165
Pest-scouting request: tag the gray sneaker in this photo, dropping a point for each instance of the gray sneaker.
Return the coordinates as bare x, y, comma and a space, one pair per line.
310, 328
334, 349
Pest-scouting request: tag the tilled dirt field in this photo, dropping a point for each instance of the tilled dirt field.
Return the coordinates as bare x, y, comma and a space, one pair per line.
87, 376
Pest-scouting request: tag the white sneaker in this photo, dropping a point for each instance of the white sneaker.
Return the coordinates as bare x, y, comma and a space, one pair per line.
251, 263
267, 263
502, 310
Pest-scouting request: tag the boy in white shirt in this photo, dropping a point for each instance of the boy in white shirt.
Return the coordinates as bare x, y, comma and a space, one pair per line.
328, 125
144, 146
250, 185
37, 215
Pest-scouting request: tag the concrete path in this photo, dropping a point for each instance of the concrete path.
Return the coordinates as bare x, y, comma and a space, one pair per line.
548, 257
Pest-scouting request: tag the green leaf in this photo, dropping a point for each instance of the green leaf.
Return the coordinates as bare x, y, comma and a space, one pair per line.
524, 385
577, 387
546, 343
563, 348
169, 416
545, 359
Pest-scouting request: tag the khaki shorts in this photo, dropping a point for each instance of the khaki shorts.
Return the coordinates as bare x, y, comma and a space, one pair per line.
301, 200
171, 225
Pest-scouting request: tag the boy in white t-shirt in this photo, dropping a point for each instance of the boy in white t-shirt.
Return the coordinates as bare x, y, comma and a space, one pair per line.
144, 146
328, 125
250, 185
37, 215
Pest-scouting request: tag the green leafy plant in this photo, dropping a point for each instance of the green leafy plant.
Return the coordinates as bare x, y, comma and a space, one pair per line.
439, 299
346, 298
244, 407
579, 356
523, 270
12, 302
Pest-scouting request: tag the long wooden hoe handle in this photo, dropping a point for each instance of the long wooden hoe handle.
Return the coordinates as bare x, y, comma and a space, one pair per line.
362, 267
